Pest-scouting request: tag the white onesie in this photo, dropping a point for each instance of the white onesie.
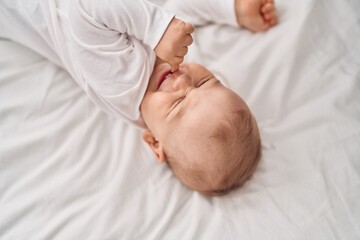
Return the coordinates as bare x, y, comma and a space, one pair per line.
106, 45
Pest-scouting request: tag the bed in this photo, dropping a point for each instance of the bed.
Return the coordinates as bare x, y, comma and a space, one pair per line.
69, 171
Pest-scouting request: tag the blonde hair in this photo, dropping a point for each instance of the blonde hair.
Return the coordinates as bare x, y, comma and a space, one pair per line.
239, 139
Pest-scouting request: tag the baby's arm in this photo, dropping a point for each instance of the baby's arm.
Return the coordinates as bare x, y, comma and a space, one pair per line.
254, 15
137, 18
167, 36
200, 12
102, 44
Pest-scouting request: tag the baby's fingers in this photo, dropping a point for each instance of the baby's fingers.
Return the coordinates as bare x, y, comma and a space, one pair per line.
174, 68
175, 63
188, 40
182, 52
189, 28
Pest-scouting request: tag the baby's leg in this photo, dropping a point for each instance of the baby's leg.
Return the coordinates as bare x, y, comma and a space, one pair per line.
256, 15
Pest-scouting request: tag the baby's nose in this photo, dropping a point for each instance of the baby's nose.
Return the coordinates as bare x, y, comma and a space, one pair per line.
182, 82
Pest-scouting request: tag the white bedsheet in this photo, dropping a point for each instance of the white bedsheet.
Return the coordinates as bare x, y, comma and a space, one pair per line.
68, 171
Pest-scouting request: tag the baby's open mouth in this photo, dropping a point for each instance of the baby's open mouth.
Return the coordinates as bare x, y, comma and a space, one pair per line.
163, 77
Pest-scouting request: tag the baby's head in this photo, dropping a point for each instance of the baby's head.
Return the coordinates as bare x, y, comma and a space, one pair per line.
203, 130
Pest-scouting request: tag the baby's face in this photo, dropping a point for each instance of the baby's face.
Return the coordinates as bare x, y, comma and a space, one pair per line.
183, 108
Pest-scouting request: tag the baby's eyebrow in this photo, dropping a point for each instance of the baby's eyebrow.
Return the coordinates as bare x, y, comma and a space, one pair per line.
181, 109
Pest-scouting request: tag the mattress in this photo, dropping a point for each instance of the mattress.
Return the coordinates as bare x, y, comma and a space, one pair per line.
69, 171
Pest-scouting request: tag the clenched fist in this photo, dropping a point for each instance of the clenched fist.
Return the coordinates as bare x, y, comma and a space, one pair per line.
173, 45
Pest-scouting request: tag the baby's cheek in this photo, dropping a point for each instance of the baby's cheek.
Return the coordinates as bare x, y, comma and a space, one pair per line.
156, 104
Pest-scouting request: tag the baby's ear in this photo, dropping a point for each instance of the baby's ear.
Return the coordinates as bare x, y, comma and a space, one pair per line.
155, 145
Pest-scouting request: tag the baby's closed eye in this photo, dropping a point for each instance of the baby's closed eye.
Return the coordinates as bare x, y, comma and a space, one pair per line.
178, 102
203, 82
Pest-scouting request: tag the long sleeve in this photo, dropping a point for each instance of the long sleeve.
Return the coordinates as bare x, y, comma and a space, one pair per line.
107, 46
200, 12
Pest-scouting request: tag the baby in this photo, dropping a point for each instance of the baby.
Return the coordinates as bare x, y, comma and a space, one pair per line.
204, 131
127, 56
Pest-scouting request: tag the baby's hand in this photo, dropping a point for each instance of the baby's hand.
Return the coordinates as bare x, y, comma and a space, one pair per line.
256, 15
173, 45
